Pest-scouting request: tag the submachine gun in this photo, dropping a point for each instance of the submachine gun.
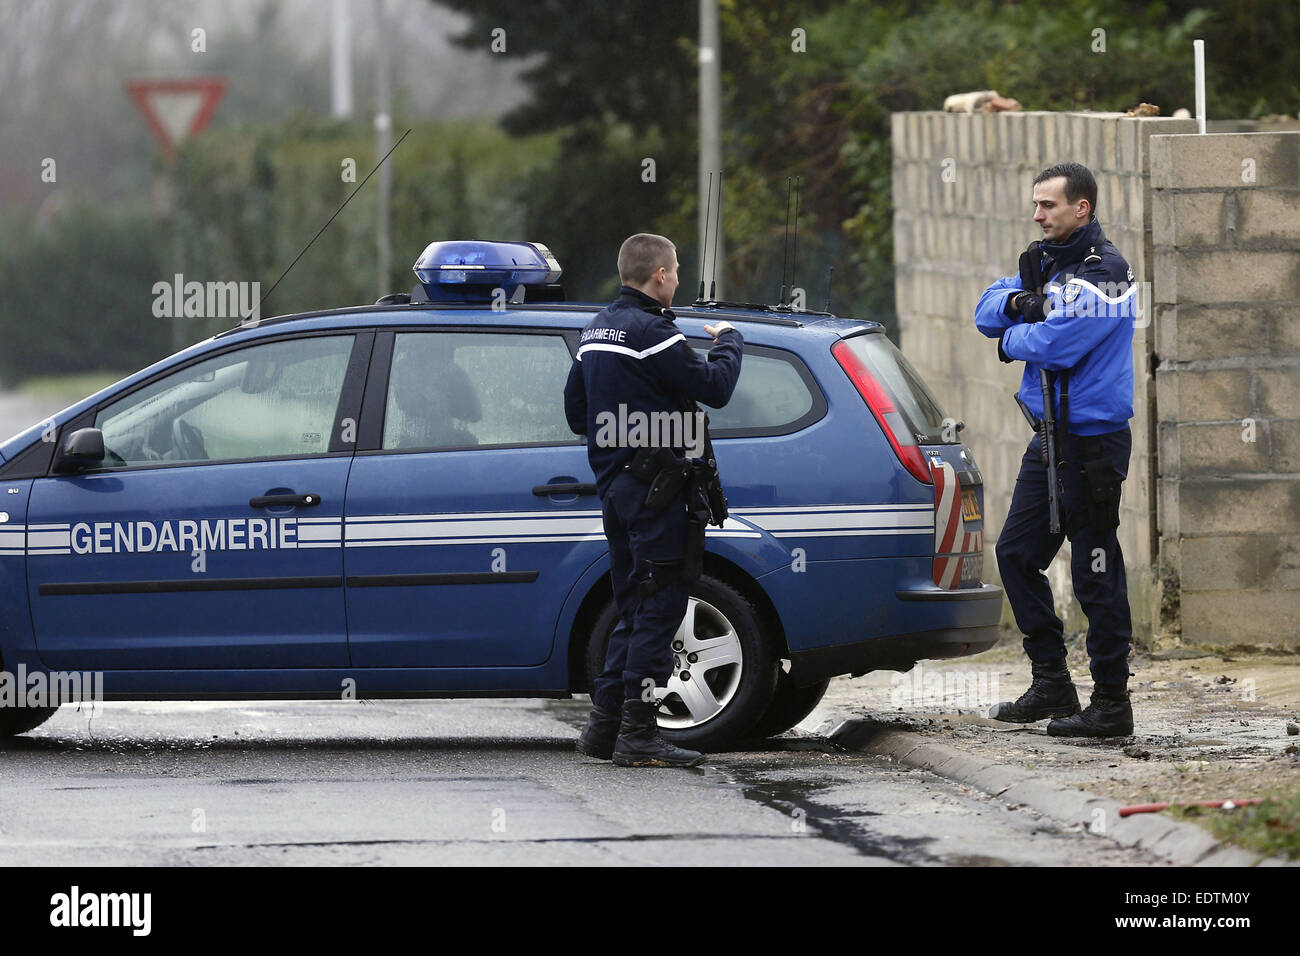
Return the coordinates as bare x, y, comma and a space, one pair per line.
1031, 280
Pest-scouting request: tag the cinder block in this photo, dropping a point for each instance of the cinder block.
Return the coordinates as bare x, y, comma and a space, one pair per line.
1170, 456
1031, 149
1286, 335
897, 133
1168, 393
1227, 160
1224, 450
1279, 392
1164, 326
912, 140
1109, 138
1152, 126
1139, 201
1163, 224
1169, 509
1164, 276
1095, 143
1241, 617
1269, 217
1278, 561
1225, 275
1217, 332
1077, 150
1286, 448
1241, 506
1197, 218
1160, 162
948, 135
979, 124
1214, 395
1219, 563
915, 199
963, 127
1127, 159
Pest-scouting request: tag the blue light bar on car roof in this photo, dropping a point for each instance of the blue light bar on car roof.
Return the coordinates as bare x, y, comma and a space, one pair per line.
470, 270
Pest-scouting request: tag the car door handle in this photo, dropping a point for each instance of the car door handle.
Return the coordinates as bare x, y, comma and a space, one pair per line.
272, 501
566, 488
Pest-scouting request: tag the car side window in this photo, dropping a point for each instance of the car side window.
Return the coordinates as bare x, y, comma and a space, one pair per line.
467, 389
264, 401
770, 394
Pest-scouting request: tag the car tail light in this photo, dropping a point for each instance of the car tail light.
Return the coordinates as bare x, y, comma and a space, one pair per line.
887, 414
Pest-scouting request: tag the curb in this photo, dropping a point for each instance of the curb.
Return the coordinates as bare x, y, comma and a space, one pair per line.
1183, 844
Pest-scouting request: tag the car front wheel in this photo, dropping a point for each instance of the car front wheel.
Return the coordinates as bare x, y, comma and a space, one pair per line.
724, 670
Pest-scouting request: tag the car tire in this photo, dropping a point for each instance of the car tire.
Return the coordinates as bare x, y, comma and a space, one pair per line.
727, 623
790, 704
19, 720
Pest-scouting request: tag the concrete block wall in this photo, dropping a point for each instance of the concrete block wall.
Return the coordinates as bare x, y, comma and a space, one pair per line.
962, 188
1226, 231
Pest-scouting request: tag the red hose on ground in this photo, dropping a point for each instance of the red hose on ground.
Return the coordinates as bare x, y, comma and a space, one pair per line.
1157, 807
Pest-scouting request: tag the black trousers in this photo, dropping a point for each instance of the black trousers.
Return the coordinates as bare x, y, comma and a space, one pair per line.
1026, 547
643, 544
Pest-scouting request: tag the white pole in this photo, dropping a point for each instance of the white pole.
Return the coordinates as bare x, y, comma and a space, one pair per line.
341, 60
383, 143
710, 138
1198, 48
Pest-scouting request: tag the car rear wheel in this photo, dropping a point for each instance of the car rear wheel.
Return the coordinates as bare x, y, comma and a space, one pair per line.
790, 704
724, 670
19, 720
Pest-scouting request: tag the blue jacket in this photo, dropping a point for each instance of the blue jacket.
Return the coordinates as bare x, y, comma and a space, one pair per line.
1092, 302
633, 355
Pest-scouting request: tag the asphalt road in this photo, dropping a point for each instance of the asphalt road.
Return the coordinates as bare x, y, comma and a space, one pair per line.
471, 782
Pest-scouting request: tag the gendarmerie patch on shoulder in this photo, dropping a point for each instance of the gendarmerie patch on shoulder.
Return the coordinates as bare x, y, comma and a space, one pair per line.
1071, 292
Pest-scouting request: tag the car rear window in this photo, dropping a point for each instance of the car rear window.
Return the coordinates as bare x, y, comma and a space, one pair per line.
895, 373
773, 396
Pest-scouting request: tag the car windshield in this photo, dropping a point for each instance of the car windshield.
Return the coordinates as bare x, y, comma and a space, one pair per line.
905, 387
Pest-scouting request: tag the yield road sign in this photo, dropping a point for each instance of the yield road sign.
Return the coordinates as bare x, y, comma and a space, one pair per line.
178, 107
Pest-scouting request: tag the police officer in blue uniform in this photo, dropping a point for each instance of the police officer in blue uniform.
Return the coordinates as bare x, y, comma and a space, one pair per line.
633, 359
1078, 327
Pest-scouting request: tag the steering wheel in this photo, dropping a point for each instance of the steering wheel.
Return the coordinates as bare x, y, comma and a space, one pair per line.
188, 441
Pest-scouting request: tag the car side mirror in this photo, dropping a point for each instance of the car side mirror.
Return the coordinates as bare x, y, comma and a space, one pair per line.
80, 449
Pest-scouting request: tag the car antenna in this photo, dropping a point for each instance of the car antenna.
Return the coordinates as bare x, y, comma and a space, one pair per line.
794, 251
330, 220
785, 247
704, 252
717, 233
829, 272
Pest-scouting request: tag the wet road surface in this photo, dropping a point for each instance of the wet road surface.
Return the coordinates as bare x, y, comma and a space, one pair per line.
473, 782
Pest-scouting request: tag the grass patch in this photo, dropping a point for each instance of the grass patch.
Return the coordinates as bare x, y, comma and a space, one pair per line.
72, 387
1269, 828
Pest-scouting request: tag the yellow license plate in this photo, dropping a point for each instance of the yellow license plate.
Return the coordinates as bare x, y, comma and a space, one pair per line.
970, 506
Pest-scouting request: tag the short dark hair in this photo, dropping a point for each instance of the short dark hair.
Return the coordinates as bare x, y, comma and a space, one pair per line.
1079, 182
640, 257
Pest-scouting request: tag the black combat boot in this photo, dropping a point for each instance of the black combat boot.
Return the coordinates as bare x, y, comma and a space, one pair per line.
639, 743
1051, 694
598, 736
1108, 714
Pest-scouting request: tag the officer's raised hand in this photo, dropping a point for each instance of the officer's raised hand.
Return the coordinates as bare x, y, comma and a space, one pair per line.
1030, 305
716, 330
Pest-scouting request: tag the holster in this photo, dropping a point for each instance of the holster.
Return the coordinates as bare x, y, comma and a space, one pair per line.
1102, 487
666, 485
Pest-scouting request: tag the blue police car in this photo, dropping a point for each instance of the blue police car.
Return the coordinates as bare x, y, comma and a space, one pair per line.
386, 501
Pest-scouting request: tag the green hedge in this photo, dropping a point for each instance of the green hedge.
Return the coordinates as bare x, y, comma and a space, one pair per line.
76, 291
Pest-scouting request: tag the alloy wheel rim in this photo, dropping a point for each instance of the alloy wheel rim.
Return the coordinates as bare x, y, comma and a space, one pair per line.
701, 688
